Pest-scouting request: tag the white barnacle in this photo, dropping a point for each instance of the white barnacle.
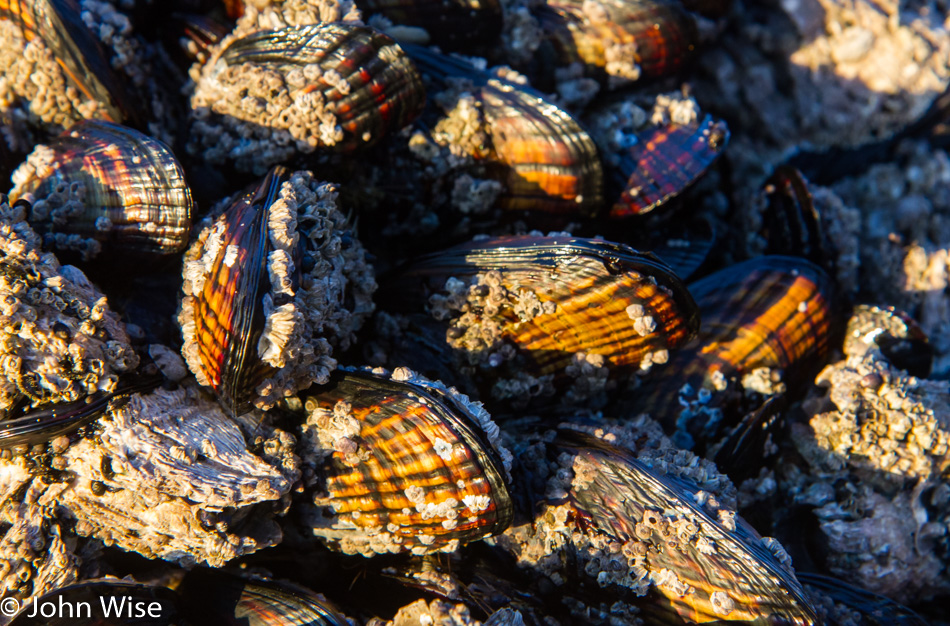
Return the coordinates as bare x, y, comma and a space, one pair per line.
443, 448
415, 494
721, 602
477, 503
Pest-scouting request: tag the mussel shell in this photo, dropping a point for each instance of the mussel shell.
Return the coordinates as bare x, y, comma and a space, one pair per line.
665, 161
451, 25
221, 597
418, 472
791, 224
382, 92
738, 579
43, 424
86, 603
84, 60
111, 184
228, 317
769, 312
648, 38
592, 283
537, 150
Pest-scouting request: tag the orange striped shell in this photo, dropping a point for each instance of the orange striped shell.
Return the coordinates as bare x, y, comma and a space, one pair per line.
769, 312
557, 301
701, 561
665, 161
103, 184
403, 465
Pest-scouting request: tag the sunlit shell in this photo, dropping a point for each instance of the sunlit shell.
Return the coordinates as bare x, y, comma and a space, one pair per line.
103, 185
537, 150
620, 39
706, 563
548, 307
264, 291
765, 315
77, 51
402, 464
666, 160
896, 334
270, 95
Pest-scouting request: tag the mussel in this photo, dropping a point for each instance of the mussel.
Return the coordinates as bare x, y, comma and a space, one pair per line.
103, 184
271, 285
545, 160
77, 52
269, 95
523, 313
760, 320
401, 463
619, 41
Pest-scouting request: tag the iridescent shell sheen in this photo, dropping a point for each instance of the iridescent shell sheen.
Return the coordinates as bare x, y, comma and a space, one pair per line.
103, 185
270, 95
620, 39
665, 161
59, 24
402, 464
537, 150
548, 305
264, 291
706, 563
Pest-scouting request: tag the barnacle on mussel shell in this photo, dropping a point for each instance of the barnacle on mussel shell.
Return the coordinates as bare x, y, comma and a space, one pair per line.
58, 65
401, 463
626, 511
537, 150
561, 311
664, 161
59, 342
102, 184
271, 285
760, 318
269, 95
618, 41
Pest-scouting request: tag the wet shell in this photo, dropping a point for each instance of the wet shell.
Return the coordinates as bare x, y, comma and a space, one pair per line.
622, 40
765, 315
550, 305
210, 596
58, 23
269, 95
706, 563
873, 609
537, 150
665, 161
404, 464
100, 184
452, 25
791, 223
264, 292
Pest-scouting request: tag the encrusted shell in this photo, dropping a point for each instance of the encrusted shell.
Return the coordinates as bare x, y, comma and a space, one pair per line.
759, 319
100, 184
621, 40
706, 563
561, 308
269, 95
537, 150
265, 287
402, 464
79, 58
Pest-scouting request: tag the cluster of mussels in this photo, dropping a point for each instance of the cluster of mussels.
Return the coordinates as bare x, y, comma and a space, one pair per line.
266, 398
